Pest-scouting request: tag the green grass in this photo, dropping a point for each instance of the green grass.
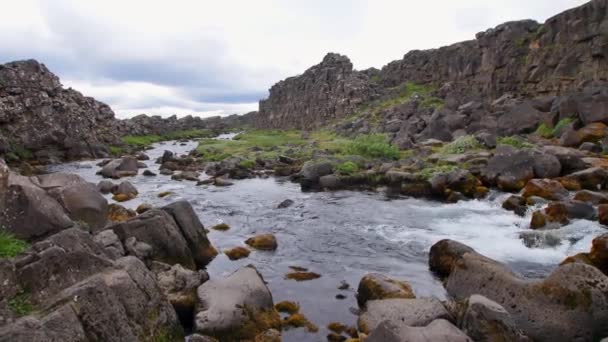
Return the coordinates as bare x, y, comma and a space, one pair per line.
10, 246
373, 146
270, 144
461, 145
514, 141
263, 144
116, 150
347, 168
142, 141
247, 164
21, 304
544, 131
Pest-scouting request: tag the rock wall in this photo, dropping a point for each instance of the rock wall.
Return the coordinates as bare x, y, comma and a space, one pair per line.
38, 114
524, 58
327, 91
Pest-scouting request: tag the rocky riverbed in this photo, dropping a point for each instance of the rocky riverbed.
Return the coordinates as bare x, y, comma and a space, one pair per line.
344, 235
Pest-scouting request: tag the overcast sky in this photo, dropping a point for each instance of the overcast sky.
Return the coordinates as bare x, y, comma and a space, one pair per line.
220, 57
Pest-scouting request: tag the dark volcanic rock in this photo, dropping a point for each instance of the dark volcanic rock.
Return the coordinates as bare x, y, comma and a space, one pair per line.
327, 91
38, 114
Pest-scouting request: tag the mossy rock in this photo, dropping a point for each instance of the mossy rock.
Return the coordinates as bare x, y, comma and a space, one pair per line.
266, 242
237, 253
375, 286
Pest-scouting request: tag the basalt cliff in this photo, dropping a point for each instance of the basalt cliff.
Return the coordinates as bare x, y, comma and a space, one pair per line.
42, 120
508, 80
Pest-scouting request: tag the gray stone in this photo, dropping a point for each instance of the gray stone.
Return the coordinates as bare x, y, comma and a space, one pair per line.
438, 330
405, 312
117, 168
110, 243
228, 305
486, 320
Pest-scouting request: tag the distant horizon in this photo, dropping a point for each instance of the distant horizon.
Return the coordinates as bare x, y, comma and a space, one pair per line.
207, 59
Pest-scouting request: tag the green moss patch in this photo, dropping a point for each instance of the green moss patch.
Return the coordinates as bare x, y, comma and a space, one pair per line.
10, 246
463, 144
21, 304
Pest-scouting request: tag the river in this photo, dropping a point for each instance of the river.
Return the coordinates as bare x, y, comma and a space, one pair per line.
343, 235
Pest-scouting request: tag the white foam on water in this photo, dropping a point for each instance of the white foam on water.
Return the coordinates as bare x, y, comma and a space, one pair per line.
491, 231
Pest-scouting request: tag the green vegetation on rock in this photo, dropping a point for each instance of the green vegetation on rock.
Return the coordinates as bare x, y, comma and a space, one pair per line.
10, 246
428, 172
561, 124
514, 141
461, 145
544, 131
347, 168
21, 304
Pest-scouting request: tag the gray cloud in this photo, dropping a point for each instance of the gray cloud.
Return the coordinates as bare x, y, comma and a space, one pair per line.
205, 57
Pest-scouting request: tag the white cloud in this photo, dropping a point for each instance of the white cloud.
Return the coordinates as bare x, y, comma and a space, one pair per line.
193, 56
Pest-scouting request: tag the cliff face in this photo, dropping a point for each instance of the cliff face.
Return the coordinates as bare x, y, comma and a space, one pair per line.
524, 58
37, 114
325, 92
40, 119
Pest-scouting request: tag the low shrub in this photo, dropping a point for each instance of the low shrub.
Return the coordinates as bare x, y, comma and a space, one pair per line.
461, 145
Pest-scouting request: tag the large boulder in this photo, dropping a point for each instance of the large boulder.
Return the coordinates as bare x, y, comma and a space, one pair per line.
174, 232
313, 170
598, 256
236, 308
486, 320
159, 230
81, 200
30, 212
594, 178
570, 304
375, 286
405, 312
438, 330
193, 231
510, 170
545, 188
118, 168
520, 119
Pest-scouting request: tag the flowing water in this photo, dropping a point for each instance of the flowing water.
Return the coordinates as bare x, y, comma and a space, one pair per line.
343, 235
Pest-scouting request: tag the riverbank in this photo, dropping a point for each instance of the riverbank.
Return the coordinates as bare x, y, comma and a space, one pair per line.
343, 235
